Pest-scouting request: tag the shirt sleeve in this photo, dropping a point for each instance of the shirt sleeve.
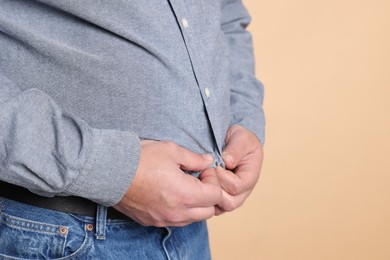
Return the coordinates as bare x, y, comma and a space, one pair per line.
246, 91
51, 152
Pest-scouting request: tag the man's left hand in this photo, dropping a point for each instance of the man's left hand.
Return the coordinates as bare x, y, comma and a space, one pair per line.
243, 157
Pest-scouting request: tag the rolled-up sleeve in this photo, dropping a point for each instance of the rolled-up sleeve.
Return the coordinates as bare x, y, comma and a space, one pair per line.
51, 152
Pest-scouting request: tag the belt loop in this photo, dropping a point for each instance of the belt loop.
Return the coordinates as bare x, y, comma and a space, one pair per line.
101, 221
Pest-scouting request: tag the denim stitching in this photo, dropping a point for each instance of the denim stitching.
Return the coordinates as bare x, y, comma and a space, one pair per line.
80, 251
16, 222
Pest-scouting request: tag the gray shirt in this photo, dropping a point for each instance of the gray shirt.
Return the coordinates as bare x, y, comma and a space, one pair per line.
82, 81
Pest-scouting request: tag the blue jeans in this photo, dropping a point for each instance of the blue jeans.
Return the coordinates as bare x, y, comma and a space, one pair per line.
28, 232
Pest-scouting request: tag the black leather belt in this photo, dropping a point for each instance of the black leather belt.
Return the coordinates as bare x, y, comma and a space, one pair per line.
69, 204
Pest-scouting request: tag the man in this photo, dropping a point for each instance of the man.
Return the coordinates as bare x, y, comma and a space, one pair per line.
124, 126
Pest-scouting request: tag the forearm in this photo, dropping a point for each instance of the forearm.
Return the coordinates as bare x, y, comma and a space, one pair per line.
52, 152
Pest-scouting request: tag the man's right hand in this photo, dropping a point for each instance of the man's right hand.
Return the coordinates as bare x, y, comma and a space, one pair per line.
161, 194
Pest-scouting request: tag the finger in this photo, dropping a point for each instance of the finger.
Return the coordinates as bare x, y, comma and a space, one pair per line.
179, 218
236, 183
218, 211
230, 203
169, 223
230, 182
199, 214
191, 161
249, 169
245, 174
187, 215
238, 144
190, 216
204, 193
209, 177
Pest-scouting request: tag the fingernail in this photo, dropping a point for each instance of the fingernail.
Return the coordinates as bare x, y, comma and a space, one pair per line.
227, 158
208, 156
219, 168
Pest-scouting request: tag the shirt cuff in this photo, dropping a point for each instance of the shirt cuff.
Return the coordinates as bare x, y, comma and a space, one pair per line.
110, 167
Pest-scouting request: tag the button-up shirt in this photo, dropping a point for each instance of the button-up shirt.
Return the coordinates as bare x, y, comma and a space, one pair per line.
81, 82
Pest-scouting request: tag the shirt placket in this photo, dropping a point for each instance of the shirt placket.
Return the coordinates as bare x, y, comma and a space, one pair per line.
189, 39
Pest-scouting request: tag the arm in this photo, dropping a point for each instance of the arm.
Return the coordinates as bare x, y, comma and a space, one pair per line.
246, 91
52, 152
243, 154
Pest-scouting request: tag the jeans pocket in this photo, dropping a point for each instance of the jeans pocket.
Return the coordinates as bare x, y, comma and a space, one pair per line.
28, 232
25, 239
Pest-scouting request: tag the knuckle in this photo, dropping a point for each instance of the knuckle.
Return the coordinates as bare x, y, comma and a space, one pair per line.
229, 206
187, 200
232, 205
235, 188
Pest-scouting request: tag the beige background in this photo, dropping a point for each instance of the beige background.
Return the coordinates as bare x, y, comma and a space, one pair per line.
324, 192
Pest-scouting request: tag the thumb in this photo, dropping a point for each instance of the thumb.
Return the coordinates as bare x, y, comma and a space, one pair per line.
238, 145
191, 161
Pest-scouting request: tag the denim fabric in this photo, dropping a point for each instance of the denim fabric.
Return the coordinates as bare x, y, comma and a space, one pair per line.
28, 232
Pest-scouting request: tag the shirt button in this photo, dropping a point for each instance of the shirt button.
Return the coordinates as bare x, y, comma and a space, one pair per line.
207, 92
184, 21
